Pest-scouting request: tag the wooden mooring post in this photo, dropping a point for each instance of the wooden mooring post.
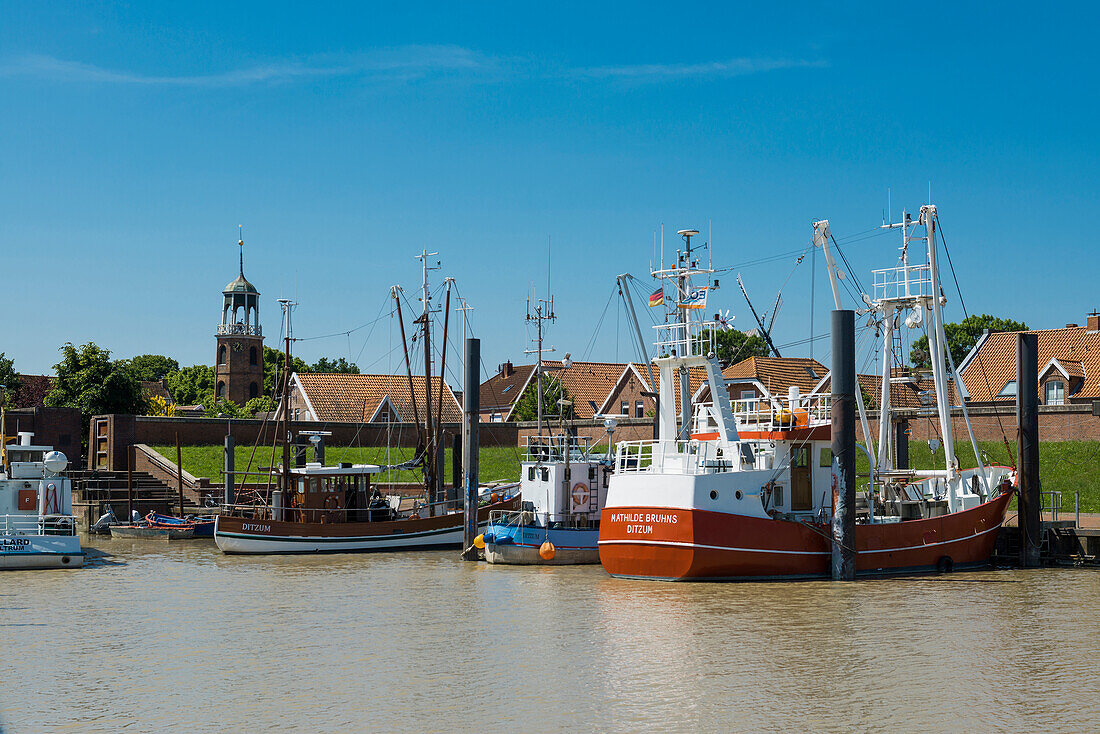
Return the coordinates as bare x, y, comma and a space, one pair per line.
1027, 447
179, 471
130, 484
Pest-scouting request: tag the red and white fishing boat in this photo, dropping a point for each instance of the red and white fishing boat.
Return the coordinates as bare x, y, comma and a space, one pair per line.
748, 494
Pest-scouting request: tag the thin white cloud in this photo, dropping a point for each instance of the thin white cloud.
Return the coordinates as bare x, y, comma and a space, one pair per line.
727, 68
400, 63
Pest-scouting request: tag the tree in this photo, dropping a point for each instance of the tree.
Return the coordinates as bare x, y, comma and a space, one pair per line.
214, 408
341, 366
262, 404
962, 337
153, 367
88, 379
527, 407
735, 345
192, 385
273, 366
9, 378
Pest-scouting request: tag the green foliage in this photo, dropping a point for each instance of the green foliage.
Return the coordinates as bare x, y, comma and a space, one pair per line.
341, 365
9, 378
527, 407
962, 337
153, 367
735, 345
88, 379
192, 385
273, 365
259, 405
214, 408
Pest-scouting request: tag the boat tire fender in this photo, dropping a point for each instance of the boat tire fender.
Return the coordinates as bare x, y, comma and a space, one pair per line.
945, 564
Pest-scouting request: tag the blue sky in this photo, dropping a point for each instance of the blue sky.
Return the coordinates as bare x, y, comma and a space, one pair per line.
345, 137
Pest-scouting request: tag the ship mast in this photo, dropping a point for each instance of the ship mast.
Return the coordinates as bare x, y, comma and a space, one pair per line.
543, 311
431, 477
284, 399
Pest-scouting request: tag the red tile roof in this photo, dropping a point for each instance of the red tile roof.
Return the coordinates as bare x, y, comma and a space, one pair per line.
778, 374
354, 398
994, 364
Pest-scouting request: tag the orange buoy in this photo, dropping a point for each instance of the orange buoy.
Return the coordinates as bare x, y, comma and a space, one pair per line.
479, 541
547, 551
494, 497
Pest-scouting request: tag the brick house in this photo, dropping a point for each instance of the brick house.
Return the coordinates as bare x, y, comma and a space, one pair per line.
330, 397
595, 388
1069, 365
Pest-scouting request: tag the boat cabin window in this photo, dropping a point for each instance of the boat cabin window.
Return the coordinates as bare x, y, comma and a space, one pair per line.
591, 473
545, 474
826, 459
530, 473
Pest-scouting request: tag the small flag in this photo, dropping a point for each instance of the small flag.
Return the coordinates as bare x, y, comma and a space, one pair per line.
657, 298
696, 299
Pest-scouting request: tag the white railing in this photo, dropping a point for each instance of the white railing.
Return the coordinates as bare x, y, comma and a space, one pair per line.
902, 282
693, 339
37, 525
675, 457
783, 413
555, 448
243, 329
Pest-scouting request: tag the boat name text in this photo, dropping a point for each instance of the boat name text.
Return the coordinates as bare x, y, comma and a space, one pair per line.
256, 527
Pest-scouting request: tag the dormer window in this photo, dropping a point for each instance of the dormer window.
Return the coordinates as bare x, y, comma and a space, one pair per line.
1055, 393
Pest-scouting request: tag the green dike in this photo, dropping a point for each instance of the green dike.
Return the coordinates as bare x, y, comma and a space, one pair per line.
1065, 466
496, 463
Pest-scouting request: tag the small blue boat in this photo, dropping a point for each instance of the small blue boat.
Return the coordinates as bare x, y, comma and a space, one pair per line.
203, 526
562, 488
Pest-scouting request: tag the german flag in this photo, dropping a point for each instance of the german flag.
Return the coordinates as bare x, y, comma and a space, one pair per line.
657, 298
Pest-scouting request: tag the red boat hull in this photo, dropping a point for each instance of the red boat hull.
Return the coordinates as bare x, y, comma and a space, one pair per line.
676, 544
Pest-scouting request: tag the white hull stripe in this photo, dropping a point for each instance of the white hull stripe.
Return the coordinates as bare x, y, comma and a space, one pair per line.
788, 552
345, 539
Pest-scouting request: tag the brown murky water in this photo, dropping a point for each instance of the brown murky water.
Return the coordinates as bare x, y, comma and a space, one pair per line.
179, 637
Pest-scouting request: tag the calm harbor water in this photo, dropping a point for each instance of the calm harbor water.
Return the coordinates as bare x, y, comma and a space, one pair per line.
155, 637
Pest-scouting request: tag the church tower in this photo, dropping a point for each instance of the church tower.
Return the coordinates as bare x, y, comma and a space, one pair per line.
239, 368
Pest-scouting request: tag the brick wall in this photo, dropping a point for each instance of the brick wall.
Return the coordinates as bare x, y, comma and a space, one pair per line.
1056, 423
57, 427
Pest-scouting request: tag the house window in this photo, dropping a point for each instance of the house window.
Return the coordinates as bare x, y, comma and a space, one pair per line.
221, 387
253, 390
252, 356
1055, 393
624, 408
1009, 390
221, 354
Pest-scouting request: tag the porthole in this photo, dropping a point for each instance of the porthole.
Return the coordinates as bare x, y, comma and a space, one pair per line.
738, 494
713, 495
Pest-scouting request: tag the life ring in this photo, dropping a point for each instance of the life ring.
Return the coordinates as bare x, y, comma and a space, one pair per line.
580, 494
332, 502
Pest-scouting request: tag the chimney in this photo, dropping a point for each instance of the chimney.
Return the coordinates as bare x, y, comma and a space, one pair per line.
507, 369
1071, 326
1093, 321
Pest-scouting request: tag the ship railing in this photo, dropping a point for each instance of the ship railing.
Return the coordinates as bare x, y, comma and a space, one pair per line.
675, 457
913, 281
23, 524
555, 448
240, 329
693, 339
783, 412
527, 517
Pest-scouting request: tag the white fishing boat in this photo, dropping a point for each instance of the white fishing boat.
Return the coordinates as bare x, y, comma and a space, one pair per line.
37, 527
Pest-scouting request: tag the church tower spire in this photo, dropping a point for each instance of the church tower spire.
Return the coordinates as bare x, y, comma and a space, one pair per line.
239, 370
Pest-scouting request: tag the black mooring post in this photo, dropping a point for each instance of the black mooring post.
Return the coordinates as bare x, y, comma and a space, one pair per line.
319, 450
456, 465
229, 471
471, 405
1027, 447
844, 444
444, 493
901, 442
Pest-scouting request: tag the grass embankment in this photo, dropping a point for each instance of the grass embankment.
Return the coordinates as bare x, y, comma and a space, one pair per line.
496, 463
1064, 466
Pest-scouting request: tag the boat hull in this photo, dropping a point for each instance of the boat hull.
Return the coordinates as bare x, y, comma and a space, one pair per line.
151, 532
521, 543
689, 544
237, 535
40, 551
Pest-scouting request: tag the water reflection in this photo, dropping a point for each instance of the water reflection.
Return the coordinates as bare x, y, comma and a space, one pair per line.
423, 642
